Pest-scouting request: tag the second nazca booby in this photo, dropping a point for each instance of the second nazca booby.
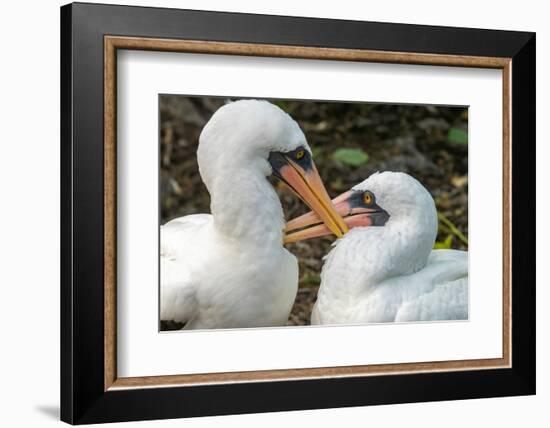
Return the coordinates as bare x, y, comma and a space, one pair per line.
385, 268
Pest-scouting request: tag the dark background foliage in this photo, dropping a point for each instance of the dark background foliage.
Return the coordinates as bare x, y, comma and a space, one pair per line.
350, 141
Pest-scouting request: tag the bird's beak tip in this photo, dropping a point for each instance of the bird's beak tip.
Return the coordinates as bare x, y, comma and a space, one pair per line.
308, 185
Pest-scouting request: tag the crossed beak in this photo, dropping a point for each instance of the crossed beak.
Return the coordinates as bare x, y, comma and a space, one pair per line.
304, 180
309, 225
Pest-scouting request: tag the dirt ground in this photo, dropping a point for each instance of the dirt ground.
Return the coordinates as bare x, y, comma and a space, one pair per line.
428, 142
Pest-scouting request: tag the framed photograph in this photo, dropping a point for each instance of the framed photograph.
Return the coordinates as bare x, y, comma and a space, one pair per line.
266, 213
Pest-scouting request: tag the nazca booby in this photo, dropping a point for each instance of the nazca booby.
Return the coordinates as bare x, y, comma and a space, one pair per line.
230, 269
384, 269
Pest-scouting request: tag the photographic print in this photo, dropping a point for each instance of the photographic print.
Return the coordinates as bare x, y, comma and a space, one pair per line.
297, 212
330, 204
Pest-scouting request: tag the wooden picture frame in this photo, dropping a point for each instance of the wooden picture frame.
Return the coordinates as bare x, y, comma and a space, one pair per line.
90, 389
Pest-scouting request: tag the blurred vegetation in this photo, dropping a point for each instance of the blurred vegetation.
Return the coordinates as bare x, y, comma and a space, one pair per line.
350, 141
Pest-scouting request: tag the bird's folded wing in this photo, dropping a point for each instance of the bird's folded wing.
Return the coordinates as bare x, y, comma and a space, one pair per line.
177, 235
177, 291
446, 298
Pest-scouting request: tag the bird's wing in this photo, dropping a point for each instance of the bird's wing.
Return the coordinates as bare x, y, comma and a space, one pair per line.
448, 255
178, 240
437, 292
447, 301
175, 233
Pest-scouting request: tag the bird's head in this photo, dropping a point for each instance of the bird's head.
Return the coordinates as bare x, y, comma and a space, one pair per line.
383, 199
256, 137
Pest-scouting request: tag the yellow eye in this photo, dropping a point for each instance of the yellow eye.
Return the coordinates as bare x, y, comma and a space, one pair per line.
300, 154
367, 198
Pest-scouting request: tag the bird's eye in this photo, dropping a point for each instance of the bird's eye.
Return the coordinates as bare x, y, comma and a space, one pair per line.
300, 154
367, 198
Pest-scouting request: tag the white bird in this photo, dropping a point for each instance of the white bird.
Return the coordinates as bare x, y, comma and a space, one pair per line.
230, 269
384, 269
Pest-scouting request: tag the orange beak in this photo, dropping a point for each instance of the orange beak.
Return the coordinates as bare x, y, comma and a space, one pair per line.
309, 225
303, 178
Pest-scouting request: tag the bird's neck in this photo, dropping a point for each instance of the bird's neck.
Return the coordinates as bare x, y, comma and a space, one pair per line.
246, 207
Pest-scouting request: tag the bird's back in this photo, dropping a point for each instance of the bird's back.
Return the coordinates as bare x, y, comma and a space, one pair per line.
439, 291
209, 280
180, 248
446, 297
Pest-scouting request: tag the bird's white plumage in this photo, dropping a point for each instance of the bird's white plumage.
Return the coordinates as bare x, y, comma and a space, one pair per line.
209, 281
229, 269
390, 273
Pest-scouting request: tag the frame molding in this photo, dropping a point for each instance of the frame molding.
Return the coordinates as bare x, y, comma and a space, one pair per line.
114, 43
90, 391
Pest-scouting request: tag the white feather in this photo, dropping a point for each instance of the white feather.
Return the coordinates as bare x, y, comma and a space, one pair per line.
229, 269
390, 273
209, 281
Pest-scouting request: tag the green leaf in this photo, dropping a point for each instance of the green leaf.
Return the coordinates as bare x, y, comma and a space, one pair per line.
457, 136
353, 157
311, 279
451, 228
444, 245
